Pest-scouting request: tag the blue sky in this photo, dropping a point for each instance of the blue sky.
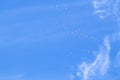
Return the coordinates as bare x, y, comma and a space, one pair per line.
59, 40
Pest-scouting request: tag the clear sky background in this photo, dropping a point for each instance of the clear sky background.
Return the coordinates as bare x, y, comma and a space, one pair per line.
58, 40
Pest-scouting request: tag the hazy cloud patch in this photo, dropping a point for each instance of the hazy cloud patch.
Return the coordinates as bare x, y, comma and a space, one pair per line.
12, 77
117, 61
105, 8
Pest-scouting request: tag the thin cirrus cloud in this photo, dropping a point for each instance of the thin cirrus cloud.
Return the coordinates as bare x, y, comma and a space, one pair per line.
15, 21
33, 8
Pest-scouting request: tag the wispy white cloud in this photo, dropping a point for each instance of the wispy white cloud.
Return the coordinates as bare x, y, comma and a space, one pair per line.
102, 7
99, 66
